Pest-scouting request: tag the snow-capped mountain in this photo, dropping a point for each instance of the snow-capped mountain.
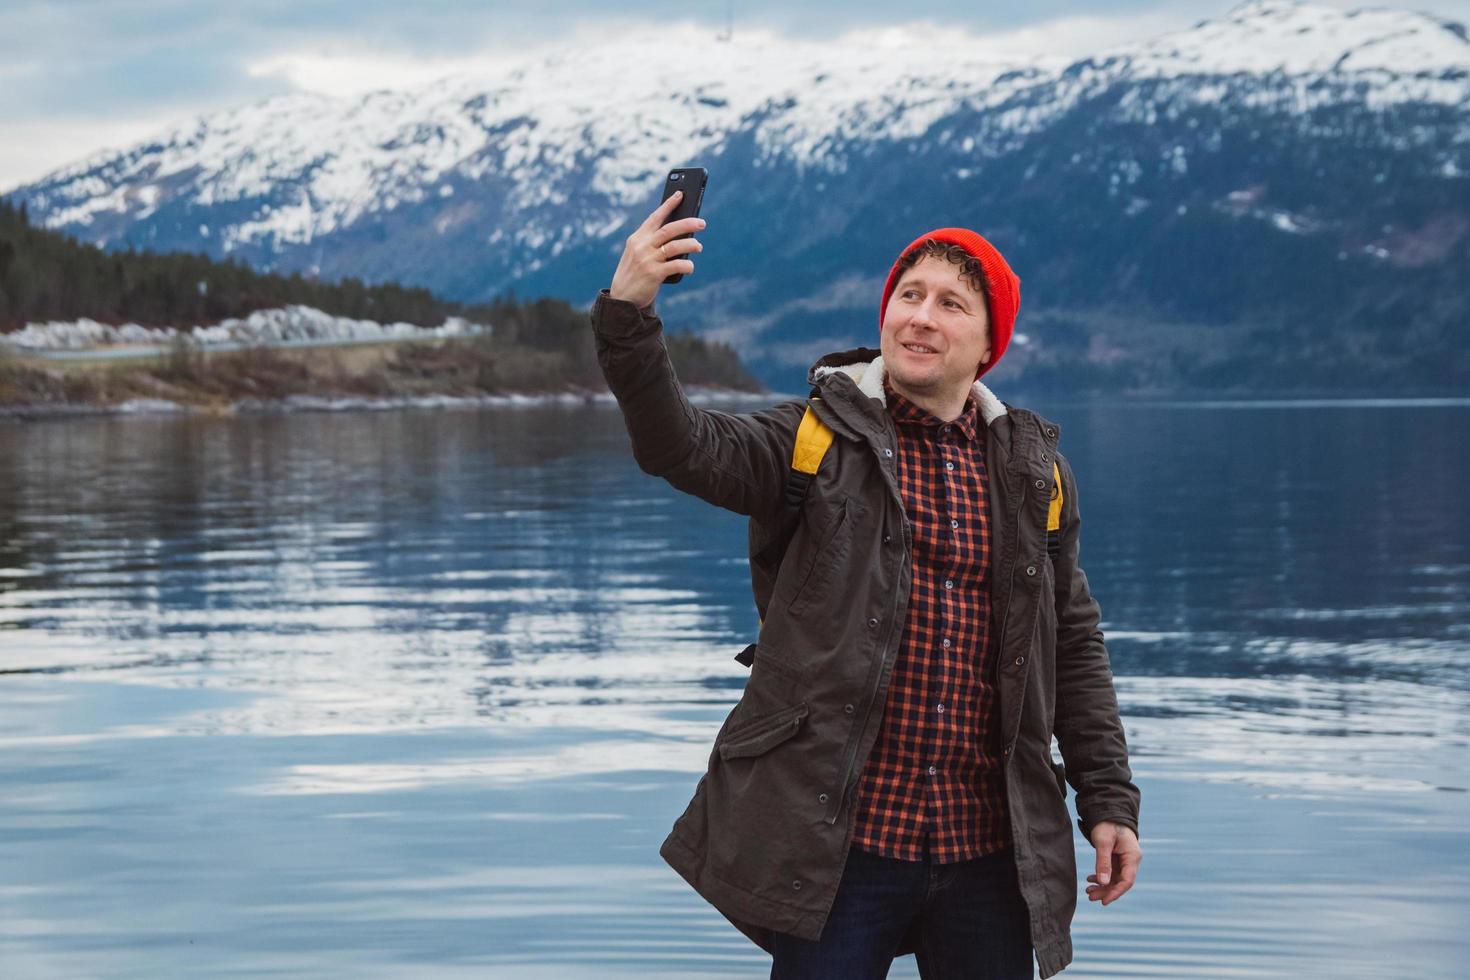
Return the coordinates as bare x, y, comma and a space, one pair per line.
1263, 166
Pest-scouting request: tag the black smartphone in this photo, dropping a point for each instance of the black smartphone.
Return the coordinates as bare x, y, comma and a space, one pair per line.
691, 181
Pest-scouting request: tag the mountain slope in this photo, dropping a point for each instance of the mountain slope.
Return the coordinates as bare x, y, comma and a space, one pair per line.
1277, 196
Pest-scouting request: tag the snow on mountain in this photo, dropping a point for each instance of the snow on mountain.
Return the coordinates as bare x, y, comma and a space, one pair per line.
604, 121
1264, 36
530, 119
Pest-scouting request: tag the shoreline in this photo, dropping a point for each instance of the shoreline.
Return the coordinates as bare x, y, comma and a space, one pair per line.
380, 375
293, 404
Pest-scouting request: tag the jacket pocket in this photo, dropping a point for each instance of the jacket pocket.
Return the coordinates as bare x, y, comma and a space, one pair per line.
763, 734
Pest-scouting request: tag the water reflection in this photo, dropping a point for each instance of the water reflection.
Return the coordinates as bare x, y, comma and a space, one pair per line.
434, 672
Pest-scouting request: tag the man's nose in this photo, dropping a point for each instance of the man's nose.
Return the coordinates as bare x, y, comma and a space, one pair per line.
923, 315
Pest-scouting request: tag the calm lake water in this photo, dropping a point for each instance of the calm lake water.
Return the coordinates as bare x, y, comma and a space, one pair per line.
419, 693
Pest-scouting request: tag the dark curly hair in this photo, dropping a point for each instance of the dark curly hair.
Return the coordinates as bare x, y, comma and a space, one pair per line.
970, 270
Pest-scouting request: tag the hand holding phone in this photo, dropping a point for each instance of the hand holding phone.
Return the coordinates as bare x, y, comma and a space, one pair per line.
660, 249
691, 181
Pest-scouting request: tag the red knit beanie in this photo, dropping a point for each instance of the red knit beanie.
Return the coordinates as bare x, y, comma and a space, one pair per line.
1004, 285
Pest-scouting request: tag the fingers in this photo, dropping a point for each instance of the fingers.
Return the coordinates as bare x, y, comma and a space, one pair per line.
672, 230
1123, 873
1127, 874
665, 208
1105, 893
1104, 863
682, 246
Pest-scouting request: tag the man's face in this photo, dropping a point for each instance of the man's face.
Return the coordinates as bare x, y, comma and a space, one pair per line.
933, 307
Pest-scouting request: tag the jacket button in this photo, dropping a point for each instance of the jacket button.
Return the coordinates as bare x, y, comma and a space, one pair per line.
796, 885
822, 798
1052, 433
888, 453
848, 709
1020, 661
872, 624
1030, 569
887, 538
1041, 484
1009, 747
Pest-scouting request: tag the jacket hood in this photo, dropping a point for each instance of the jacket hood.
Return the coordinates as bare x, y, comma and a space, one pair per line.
864, 365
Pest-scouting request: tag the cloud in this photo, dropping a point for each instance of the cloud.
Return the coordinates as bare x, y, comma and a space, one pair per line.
35, 148
1070, 36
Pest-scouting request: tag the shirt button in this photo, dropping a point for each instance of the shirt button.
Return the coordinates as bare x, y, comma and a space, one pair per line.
949, 466
946, 643
933, 771
939, 708
949, 583
954, 523
872, 624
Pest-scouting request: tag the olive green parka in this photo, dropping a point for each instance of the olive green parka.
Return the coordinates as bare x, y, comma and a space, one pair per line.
766, 836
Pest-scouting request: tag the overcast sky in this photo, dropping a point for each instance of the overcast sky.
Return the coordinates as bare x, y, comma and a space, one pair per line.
82, 75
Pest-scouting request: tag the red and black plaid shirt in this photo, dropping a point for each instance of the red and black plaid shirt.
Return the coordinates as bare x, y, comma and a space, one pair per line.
937, 768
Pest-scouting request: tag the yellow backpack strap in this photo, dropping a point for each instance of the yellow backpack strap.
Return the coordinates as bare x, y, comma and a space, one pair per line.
1054, 513
813, 439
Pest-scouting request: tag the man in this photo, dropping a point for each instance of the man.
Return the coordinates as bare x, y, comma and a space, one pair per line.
885, 784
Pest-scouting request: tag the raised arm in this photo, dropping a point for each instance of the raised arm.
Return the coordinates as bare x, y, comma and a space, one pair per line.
735, 461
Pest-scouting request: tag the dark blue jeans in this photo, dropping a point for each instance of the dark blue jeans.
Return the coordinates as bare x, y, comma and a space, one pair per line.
967, 919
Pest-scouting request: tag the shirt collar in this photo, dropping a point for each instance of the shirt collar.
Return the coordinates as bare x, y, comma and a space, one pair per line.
907, 413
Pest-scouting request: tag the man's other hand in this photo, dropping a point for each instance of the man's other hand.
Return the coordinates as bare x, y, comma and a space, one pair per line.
652, 253
1118, 855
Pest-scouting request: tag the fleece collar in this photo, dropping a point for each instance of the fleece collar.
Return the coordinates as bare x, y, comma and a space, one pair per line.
868, 376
